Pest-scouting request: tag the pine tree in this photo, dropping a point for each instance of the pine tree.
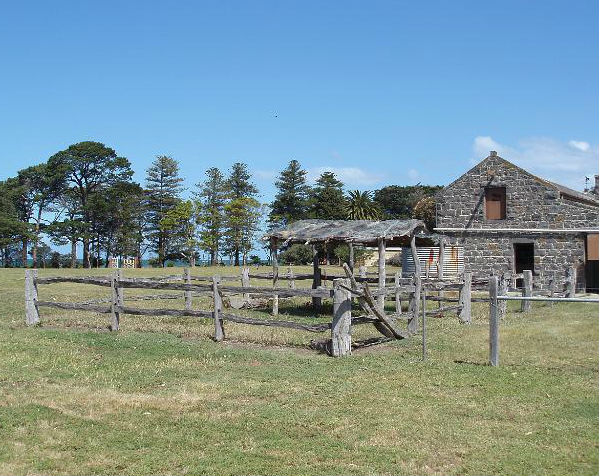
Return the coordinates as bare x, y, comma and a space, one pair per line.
242, 212
163, 188
327, 200
212, 197
291, 201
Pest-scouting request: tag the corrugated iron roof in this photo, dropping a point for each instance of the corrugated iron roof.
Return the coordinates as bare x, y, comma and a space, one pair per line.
358, 231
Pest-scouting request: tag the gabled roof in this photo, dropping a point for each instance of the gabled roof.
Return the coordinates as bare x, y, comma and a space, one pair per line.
357, 231
564, 191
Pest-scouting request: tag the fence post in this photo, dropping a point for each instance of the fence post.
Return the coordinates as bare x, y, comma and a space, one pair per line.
187, 279
527, 290
571, 281
424, 325
415, 299
464, 299
398, 296
32, 315
246, 282
503, 291
291, 282
217, 309
117, 299
341, 341
275, 304
551, 288
494, 323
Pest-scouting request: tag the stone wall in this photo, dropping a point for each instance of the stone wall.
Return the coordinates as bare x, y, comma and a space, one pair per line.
493, 253
530, 201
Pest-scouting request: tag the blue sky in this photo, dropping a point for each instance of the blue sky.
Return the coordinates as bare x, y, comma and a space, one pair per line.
380, 92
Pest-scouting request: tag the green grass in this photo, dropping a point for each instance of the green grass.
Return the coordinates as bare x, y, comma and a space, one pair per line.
159, 397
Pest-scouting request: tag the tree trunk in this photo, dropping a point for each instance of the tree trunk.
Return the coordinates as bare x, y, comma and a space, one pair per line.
237, 256
24, 252
86, 252
73, 252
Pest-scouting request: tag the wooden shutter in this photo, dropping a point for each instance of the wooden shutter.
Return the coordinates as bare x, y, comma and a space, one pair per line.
592, 247
495, 203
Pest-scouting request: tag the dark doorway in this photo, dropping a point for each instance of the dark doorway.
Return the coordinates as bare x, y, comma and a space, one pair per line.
523, 259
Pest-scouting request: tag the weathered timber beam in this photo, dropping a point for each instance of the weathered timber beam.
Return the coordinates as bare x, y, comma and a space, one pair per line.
75, 306
80, 280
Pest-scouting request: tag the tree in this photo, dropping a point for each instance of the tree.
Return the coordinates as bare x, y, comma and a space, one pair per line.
212, 196
361, 207
12, 228
42, 254
164, 187
424, 210
291, 200
90, 167
297, 254
180, 223
327, 199
41, 185
242, 212
71, 228
397, 201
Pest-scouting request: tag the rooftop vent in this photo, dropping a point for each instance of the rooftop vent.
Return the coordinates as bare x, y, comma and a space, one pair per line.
493, 153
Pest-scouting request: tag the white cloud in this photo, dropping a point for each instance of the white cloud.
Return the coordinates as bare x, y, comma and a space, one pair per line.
352, 176
564, 163
413, 174
583, 146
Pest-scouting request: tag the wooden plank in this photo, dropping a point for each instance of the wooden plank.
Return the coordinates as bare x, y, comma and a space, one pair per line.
413, 322
81, 280
465, 299
503, 291
341, 342
351, 256
117, 299
187, 295
217, 309
316, 301
398, 296
76, 306
381, 272
32, 315
494, 322
527, 290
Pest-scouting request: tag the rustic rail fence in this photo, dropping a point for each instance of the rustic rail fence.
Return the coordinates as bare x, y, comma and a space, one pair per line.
343, 292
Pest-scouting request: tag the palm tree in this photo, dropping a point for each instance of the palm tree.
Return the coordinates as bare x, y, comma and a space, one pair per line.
361, 207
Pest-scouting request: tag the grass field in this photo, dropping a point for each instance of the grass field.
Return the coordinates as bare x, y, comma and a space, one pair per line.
159, 397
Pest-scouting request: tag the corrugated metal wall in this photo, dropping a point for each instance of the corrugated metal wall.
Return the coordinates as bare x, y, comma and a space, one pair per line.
454, 263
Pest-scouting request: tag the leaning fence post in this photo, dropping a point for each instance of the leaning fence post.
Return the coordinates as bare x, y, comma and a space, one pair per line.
187, 278
503, 291
527, 290
571, 281
217, 309
117, 299
415, 298
32, 315
398, 296
341, 341
494, 323
464, 299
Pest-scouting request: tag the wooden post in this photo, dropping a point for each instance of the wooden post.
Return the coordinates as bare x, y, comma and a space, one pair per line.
441, 268
397, 277
552, 288
217, 309
351, 256
494, 322
341, 341
316, 301
571, 281
32, 315
246, 282
291, 281
424, 325
527, 290
503, 291
117, 299
415, 299
275, 276
187, 278
464, 299
381, 273
362, 271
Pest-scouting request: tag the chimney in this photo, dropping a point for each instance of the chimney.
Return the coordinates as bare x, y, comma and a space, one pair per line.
493, 153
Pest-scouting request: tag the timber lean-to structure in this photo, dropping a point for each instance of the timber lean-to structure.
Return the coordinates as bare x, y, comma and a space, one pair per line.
363, 232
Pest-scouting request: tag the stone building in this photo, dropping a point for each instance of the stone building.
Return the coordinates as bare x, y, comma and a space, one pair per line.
508, 219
